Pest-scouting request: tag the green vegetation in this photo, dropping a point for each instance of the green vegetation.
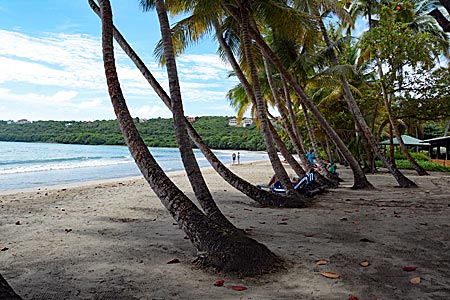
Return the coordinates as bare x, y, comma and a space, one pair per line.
421, 158
156, 133
428, 166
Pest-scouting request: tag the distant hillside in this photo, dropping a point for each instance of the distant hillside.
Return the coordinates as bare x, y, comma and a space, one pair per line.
155, 132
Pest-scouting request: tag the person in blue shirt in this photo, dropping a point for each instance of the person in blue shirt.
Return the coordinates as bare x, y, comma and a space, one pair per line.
311, 156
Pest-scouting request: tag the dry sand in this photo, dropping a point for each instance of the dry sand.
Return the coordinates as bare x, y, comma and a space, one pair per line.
113, 241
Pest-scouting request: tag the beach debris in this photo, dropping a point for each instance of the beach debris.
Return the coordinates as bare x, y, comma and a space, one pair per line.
310, 234
173, 261
63, 209
409, 268
4, 249
344, 219
282, 223
284, 219
18, 222
352, 297
67, 230
330, 275
364, 263
219, 282
365, 240
415, 280
322, 262
124, 220
237, 287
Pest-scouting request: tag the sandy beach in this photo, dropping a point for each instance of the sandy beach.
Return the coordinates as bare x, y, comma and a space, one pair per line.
112, 240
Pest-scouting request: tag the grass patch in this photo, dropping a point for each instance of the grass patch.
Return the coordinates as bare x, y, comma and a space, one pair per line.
429, 166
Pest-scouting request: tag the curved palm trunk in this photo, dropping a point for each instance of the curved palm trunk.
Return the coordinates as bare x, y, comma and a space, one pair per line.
446, 128
359, 178
284, 118
312, 137
387, 103
194, 174
6, 291
299, 145
260, 105
286, 154
402, 180
263, 197
223, 250
252, 94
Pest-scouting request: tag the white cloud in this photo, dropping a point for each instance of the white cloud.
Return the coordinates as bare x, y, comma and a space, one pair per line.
64, 73
97, 102
149, 112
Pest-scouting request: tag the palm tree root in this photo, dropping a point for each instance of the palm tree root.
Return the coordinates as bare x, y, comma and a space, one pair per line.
239, 255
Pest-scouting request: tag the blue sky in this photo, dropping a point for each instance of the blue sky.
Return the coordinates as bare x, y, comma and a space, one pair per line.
51, 64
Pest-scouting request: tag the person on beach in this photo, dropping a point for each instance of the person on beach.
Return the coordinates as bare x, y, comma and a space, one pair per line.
239, 158
311, 156
233, 156
274, 179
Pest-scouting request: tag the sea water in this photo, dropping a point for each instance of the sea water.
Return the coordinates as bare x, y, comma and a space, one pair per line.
28, 165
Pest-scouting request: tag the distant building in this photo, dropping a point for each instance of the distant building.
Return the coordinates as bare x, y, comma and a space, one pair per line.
10, 122
190, 119
23, 121
244, 123
142, 120
233, 122
247, 122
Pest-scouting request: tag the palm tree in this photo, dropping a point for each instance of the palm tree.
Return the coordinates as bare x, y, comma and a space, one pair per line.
360, 180
353, 107
261, 196
221, 249
243, 19
417, 23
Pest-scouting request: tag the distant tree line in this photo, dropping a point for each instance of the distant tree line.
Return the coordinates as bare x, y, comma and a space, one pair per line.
159, 132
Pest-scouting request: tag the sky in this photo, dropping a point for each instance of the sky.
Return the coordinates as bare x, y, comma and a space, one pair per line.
51, 64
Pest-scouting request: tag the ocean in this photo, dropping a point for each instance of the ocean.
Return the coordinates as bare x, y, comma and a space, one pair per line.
30, 165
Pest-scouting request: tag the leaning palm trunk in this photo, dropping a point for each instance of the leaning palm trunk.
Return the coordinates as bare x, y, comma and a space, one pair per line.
285, 152
402, 180
387, 103
187, 154
260, 105
446, 128
263, 197
360, 179
6, 291
284, 118
223, 250
298, 141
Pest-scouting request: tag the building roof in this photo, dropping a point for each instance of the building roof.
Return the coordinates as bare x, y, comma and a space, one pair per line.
408, 140
445, 140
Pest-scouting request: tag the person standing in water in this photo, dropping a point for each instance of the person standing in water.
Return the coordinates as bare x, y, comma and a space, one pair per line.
233, 156
239, 158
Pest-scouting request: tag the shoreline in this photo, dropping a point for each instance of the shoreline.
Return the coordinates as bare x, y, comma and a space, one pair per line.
81, 184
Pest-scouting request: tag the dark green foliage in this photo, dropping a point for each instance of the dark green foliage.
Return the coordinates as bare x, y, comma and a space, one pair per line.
156, 133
